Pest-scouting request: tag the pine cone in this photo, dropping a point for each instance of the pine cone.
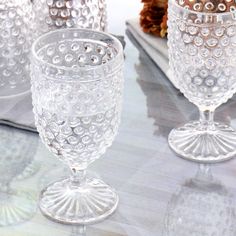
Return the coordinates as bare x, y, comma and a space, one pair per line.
153, 17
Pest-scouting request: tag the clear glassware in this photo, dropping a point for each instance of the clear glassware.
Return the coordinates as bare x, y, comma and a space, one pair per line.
202, 49
16, 26
202, 206
77, 86
54, 14
17, 148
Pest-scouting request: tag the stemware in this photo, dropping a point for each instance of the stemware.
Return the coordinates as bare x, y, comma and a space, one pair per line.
16, 26
77, 84
202, 49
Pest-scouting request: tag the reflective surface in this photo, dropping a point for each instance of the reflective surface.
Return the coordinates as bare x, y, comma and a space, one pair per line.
16, 148
147, 174
203, 205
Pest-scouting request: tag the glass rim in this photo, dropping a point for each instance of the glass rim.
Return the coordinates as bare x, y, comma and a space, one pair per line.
201, 13
90, 68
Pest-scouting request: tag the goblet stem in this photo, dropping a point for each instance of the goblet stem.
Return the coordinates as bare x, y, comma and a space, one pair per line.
79, 199
78, 177
207, 120
79, 231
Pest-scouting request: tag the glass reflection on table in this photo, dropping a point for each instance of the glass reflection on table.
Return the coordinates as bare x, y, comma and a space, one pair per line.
79, 230
202, 206
17, 149
165, 104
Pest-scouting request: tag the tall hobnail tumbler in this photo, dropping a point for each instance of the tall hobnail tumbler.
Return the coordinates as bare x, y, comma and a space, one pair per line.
16, 27
202, 51
77, 86
54, 14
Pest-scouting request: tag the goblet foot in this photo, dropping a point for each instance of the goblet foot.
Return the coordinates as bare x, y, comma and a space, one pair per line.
194, 143
90, 203
16, 208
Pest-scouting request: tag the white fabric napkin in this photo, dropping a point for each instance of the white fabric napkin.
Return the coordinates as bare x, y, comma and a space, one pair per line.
17, 111
155, 47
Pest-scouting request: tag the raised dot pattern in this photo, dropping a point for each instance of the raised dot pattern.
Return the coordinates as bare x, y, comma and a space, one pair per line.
202, 55
78, 139
89, 14
218, 6
77, 54
15, 42
77, 114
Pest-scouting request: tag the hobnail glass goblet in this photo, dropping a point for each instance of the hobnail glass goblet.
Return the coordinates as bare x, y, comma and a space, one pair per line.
202, 52
77, 84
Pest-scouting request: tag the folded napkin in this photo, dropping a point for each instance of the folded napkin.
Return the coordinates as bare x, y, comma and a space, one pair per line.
17, 111
155, 47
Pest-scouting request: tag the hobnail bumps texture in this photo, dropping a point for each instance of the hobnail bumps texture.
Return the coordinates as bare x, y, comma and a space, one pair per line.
77, 111
209, 6
16, 19
78, 139
202, 51
76, 54
52, 14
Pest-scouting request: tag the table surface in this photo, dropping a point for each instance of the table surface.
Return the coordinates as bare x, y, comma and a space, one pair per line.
160, 193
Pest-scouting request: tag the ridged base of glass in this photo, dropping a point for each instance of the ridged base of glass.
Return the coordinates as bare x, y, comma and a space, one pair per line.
195, 143
68, 204
16, 208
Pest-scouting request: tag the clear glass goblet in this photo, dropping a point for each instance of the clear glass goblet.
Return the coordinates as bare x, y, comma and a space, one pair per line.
77, 86
202, 52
